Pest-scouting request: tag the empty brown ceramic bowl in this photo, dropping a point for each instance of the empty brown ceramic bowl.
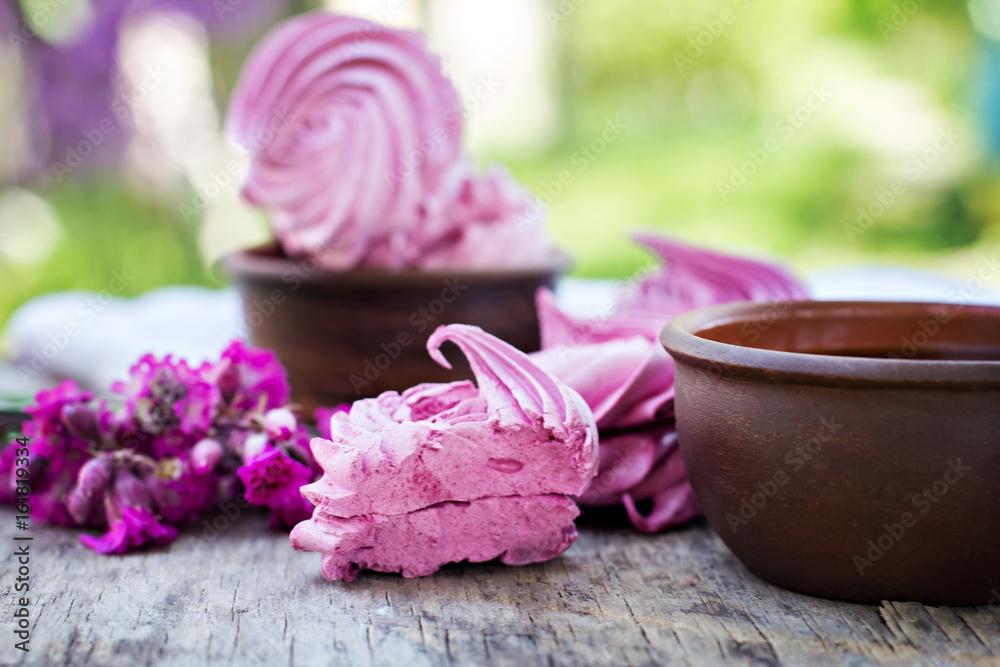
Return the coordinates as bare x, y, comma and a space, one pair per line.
847, 450
349, 335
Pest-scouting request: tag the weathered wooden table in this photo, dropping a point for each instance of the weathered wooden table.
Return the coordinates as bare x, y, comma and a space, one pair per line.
615, 598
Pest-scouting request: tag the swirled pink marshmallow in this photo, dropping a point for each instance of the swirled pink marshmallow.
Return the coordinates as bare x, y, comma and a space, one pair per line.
355, 141
517, 441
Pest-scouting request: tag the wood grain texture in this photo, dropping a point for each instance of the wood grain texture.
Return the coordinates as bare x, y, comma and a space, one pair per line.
615, 598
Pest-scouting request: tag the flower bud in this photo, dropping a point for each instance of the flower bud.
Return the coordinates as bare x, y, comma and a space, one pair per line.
81, 422
91, 483
205, 455
129, 491
254, 446
280, 424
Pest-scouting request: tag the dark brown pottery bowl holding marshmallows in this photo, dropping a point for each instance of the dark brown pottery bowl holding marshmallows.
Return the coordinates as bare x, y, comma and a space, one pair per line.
848, 450
354, 334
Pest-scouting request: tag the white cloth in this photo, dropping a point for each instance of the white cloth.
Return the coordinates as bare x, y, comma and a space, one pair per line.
94, 338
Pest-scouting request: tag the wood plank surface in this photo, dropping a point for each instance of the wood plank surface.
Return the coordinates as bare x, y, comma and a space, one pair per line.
244, 597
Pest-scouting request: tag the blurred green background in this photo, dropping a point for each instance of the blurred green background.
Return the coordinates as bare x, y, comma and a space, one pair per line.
843, 98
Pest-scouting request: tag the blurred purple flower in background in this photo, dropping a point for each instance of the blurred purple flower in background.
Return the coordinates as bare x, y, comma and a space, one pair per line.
228, 19
76, 117
71, 89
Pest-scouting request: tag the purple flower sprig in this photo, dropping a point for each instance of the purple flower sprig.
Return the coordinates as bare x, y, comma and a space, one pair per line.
184, 436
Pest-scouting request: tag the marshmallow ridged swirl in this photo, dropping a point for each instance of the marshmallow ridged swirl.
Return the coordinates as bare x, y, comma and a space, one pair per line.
355, 140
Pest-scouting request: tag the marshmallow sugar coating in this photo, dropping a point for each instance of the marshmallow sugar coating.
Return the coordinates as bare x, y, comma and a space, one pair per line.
455, 471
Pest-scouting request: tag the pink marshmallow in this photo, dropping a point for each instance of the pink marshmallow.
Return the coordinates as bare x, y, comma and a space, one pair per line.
520, 442
517, 530
620, 368
355, 140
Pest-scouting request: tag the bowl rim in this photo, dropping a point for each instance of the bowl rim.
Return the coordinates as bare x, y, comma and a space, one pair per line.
681, 340
263, 262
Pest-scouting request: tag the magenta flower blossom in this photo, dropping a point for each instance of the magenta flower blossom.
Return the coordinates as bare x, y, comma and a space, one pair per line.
172, 404
280, 424
627, 382
86, 500
132, 521
52, 480
196, 409
62, 421
135, 528
179, 493
205, 455
169, 453
272, 478
46, 429
245, 374
81, 422
166, 395
253, 446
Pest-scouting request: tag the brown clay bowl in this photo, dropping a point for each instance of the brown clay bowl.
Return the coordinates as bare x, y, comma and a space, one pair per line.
847, 450
349, 335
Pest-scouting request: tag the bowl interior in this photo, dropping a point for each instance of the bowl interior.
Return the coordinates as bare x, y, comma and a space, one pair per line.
914, 331
838, 340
